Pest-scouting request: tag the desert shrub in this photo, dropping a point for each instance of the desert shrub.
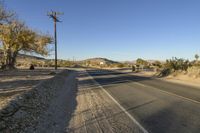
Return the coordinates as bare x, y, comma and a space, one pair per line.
175, 64
195, 63
140, 61
157, 64
164, 72
120, 65
194, 70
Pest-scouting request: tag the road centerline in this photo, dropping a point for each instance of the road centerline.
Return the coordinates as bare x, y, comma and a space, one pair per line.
169, 93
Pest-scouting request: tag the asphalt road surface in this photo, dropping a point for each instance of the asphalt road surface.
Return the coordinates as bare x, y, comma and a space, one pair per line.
159, 106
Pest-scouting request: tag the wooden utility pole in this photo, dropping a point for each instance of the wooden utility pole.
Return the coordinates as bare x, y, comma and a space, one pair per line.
54, 16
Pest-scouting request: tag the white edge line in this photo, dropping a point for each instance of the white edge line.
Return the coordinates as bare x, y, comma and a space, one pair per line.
122, 108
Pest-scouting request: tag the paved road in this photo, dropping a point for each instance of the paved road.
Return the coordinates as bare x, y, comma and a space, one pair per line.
159, 106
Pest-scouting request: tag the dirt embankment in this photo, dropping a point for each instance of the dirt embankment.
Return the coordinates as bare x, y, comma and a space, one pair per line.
191, 77
23, 111
16, 82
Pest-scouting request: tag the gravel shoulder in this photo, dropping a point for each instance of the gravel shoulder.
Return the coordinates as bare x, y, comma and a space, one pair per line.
56, 117
69, 102
23, 96
15, 83
81, 106
97, 112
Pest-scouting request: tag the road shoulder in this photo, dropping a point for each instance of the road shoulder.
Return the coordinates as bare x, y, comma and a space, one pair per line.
97, 112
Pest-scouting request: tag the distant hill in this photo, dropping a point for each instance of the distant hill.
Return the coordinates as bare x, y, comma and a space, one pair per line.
150, 61
24, 60
22, 56
99, 60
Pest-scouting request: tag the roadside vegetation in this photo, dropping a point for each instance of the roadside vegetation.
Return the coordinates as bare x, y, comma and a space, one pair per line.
24, 62
16, 37
103, 63
175, 66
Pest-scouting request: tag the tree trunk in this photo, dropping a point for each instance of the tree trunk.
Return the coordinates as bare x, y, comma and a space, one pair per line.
13, 60
10, 59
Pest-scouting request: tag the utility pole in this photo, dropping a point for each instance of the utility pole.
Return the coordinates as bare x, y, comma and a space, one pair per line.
54, 16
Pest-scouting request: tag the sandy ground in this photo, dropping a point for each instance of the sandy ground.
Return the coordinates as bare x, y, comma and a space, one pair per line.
183, 79
83, 107
56, 118
80, 106
180, 78
16, 82
97, 112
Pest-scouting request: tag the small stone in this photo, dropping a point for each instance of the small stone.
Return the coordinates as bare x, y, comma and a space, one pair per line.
2, 125
28, 76
52, 73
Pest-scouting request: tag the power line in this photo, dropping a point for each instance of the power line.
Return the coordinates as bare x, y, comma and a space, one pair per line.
54, 16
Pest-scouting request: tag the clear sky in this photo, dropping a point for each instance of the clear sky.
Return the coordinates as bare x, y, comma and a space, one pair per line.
118, 29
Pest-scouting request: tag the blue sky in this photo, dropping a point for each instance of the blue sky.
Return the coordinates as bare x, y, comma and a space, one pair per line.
118, 29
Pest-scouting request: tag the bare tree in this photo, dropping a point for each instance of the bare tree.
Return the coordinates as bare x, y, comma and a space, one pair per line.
5, 15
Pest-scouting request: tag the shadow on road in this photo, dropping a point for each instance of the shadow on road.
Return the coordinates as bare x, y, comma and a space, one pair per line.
111, 77
165, 119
